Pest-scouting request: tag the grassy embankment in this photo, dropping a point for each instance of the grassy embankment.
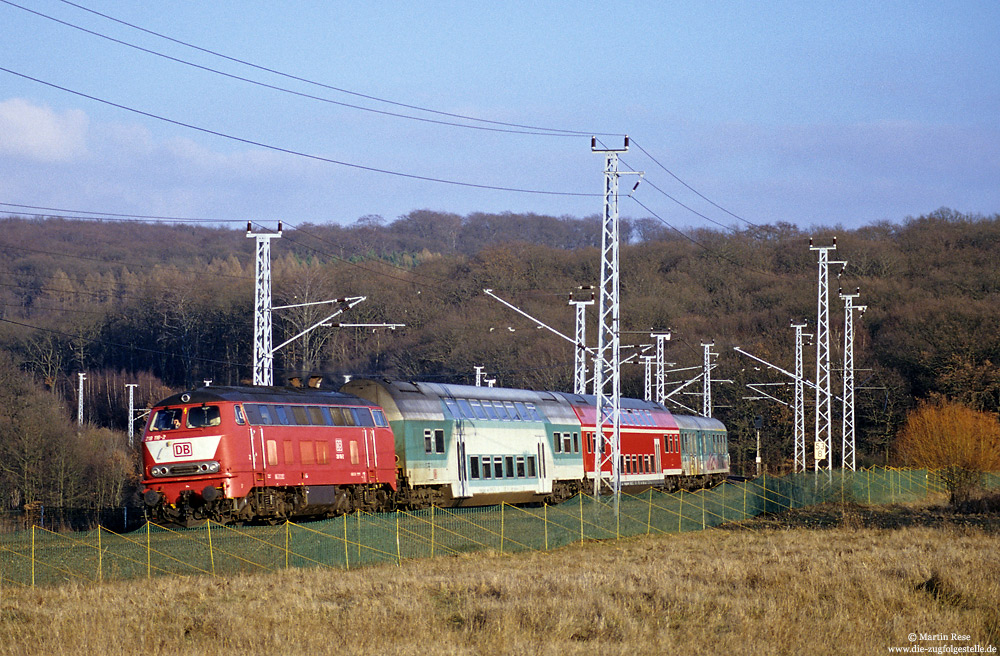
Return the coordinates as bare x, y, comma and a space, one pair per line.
831, 579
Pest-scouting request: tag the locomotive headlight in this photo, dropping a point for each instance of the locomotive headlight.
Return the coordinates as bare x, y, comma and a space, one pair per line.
213, 467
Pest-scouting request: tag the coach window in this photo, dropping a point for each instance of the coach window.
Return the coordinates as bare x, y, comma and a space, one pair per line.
465, 410
272, 452
520, 466
531, 467
477, 408
494, 411
474, 467
557, 441
497, 467
439, 440
322, 452
567, 442
300, 415
576, 443
512, 411
289, 452
509, 462
355, 457
428, 440
487, 467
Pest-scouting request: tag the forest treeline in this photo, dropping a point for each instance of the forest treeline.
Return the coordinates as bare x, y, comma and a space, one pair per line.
169, 306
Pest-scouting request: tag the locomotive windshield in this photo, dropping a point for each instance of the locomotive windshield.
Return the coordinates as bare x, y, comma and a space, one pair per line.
206, 415
167, 419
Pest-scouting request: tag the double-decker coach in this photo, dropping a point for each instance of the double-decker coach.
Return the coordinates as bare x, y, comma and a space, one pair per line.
648, 438
462, 445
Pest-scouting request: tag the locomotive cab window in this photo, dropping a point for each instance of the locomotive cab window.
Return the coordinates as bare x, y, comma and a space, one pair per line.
206, 415
167, 419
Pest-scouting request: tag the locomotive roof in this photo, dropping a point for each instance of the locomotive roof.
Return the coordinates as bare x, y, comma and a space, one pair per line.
259, 394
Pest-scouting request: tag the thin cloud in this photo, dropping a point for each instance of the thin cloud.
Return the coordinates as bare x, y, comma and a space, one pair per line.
37, 133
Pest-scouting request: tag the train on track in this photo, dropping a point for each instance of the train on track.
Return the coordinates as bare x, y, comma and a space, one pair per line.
266, 454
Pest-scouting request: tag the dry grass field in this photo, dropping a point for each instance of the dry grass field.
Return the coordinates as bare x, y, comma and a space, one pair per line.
828, 580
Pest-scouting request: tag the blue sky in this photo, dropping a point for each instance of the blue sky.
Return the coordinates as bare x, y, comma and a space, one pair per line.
811, 113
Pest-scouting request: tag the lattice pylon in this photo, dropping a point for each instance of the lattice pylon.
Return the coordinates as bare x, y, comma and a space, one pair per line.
848, 453
580, 352
263, 354
607, 364
799, 401
661, 356
823, 444
706, 396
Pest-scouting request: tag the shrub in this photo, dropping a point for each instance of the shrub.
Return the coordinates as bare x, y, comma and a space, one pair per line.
957, 441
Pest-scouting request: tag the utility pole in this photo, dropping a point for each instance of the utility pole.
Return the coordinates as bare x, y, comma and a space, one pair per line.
607, 370
580, 352
800, 401
263, 354
79, 399
706, 398
823, 439
848, 461
131, 412
479, 375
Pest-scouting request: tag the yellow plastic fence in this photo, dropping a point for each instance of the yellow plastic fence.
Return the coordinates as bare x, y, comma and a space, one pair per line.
41, 557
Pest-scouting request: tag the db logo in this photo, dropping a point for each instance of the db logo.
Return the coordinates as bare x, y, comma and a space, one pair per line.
183, 450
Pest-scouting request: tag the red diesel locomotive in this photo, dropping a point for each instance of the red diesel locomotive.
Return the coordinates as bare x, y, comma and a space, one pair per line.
265, 453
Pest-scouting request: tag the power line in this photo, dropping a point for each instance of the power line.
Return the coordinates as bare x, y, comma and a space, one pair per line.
700, 195
328, 160
101, 216
273, 87
297, 78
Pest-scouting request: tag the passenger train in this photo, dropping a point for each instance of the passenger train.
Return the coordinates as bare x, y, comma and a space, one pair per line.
242, 454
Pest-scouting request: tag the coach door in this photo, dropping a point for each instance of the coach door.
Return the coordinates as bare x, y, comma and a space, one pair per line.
463, 469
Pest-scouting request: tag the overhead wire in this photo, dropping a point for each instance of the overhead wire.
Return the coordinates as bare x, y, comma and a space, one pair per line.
289, 151
114, 216
208, 69
327, 86
700, 195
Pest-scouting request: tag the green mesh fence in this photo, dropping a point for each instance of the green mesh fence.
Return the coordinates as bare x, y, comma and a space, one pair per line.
41, 557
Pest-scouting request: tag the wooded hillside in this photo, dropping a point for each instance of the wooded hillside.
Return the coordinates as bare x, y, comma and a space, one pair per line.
168, 306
